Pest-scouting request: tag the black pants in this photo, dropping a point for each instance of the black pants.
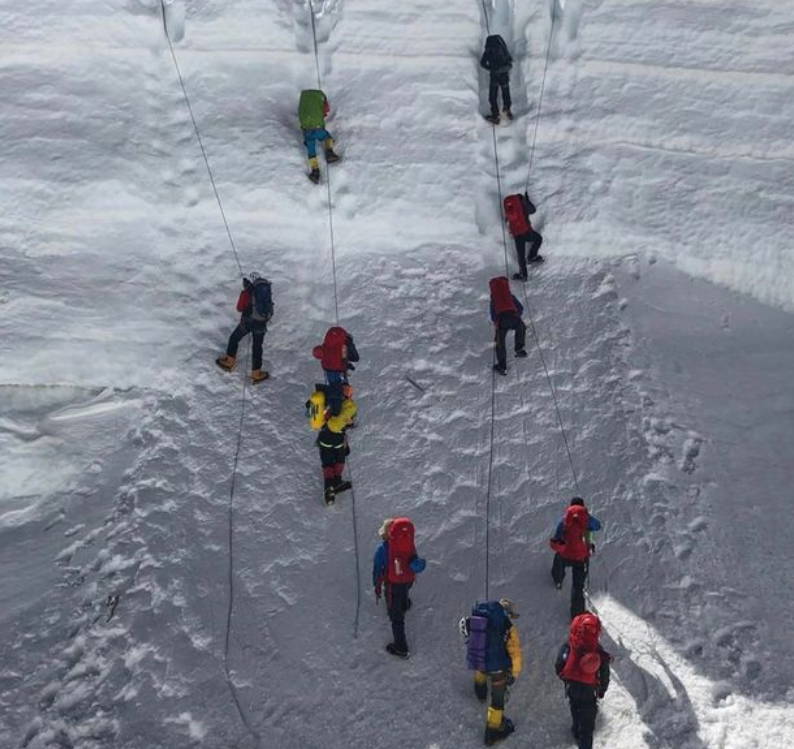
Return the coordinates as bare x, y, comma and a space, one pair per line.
505, 322
534, 240
499, 80
579, 575
498, 689
240, 332
584, 709
397, 605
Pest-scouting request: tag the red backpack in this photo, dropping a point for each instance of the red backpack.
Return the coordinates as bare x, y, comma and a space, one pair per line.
575, 525
584, 658
501, 296
516, 215
401, 551
333, 352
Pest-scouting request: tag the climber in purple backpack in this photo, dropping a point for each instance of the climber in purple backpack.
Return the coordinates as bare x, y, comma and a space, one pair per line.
494, 654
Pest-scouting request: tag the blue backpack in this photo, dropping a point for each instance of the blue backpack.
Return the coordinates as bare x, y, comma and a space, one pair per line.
262, 301
489, 625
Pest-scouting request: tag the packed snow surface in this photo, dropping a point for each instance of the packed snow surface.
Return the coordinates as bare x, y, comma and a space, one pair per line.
170, 575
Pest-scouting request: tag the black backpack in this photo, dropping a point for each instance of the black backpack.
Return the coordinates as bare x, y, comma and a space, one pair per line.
496, 57
261, 300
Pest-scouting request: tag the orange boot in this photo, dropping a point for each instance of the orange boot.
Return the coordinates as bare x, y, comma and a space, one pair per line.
226, 362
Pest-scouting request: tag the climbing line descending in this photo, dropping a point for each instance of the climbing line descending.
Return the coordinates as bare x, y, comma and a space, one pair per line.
552, 390
540, 97
488, 489
329, 194
355, 549
230, 506
230, 581
314, 40
527, 308
198, 138
501, 199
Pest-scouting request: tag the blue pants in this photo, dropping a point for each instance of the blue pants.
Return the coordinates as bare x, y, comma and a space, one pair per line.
312, 137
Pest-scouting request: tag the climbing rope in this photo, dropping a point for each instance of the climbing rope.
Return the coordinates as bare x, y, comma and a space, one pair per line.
528, 309
198, 138
243, 392
540, 97
329, 194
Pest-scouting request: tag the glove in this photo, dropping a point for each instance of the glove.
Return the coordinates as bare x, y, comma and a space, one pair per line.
246, 283
600, 694
351, 367
378, 589
510, 679
592, 548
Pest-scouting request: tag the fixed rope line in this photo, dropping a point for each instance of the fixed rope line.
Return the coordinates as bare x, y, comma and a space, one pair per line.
540, 98
198, 138
328, 174
488, 490
230, 581
504, 242
329, 194
230, 507
551, 389
314, 40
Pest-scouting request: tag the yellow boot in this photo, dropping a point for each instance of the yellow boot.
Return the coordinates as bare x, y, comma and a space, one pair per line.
498, 727
257, 375
225, 362
314, 165
481, 685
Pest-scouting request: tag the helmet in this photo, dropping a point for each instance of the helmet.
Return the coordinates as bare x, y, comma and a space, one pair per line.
253, 276
507, 605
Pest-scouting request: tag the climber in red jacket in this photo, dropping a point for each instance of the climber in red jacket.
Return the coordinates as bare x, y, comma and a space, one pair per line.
584, 667
518, 209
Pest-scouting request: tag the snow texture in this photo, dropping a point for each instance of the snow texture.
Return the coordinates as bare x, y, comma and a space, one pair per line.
166, 584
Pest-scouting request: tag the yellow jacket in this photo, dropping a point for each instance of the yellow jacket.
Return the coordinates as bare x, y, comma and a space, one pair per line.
514, 651
346, 416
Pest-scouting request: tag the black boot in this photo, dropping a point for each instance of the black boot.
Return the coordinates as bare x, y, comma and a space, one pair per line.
495, 735
314, 176
391, 649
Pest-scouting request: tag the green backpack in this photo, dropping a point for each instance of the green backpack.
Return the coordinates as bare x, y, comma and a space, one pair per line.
310, 109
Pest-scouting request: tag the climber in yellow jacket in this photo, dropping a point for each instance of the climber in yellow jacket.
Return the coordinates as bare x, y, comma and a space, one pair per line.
494, 654
332, 442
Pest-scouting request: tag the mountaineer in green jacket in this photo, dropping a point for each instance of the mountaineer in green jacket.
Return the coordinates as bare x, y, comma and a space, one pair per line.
312, 111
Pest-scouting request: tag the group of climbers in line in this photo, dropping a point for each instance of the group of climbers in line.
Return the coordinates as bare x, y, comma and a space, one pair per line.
494, 648
493, 644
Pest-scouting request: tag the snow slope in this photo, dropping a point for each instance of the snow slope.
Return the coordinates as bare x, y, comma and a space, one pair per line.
244, 613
